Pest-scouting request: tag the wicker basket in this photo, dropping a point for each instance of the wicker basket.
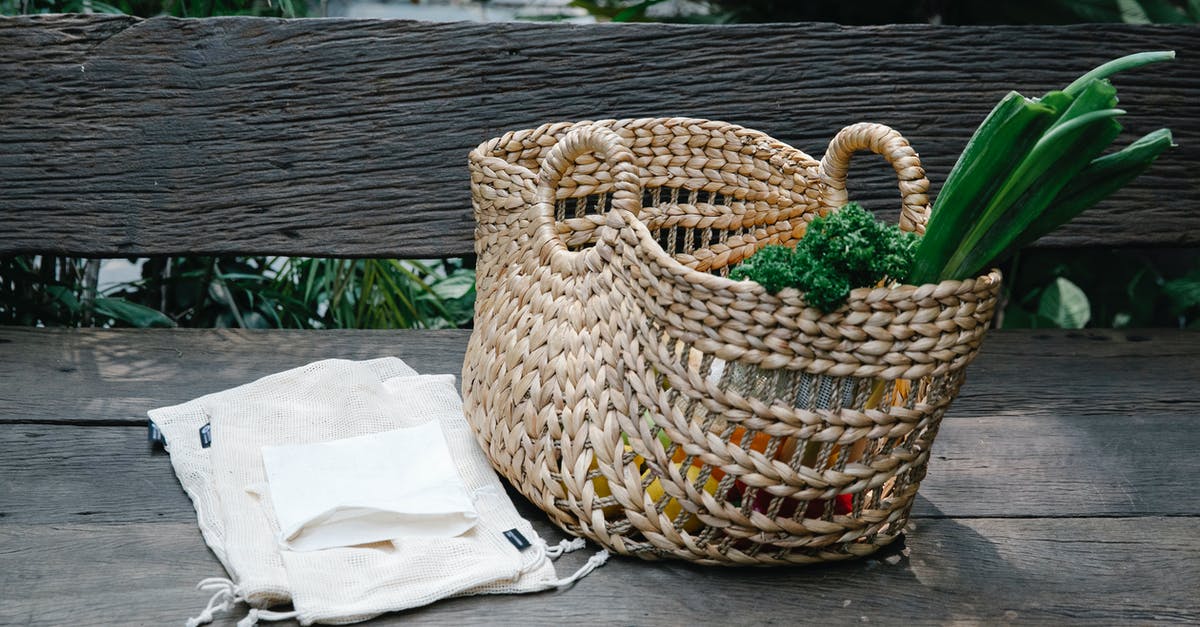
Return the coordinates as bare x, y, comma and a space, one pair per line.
628, 388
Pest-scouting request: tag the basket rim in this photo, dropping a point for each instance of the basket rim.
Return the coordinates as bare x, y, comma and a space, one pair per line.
793, 297
486, 150
485, 153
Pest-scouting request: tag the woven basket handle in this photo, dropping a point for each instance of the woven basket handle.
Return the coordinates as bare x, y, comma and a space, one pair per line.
626, 191
881, 140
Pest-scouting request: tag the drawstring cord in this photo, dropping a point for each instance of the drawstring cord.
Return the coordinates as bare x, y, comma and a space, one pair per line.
568, 546
225, 596
256, 615
594, 562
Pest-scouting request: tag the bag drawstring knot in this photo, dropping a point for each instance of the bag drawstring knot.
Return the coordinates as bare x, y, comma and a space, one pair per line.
225, 596
256, 615
566, 546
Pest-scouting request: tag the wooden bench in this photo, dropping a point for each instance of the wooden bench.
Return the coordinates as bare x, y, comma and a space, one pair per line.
1063, 486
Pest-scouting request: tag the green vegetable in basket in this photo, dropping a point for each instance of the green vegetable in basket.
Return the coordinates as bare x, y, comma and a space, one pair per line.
1033, 165
846, 249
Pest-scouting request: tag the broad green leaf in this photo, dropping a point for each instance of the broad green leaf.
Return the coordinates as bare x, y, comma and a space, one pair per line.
1142, 290
219, 292
64, 295
1132, 12
1164, 12
1184, 293
255, 320
1017, 317
242, 276
636, 11
455, 286
1065, 304
132, 313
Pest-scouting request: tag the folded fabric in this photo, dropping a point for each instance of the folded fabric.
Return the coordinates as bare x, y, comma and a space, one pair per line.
370, 488
216, 486
216, 445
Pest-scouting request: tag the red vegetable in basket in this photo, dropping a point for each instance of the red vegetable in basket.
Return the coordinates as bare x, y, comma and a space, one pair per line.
843, 504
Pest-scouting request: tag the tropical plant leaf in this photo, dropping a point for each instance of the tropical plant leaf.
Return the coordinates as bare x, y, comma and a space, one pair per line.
132, 313
1184, 293
64, 295
1163, 12
1017, 317
1132, 12
1064, 304
457, 285
635, 12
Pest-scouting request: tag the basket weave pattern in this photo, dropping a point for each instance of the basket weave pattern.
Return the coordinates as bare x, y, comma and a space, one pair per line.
628, 388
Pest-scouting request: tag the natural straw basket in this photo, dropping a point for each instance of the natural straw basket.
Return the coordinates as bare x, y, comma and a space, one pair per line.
644, 400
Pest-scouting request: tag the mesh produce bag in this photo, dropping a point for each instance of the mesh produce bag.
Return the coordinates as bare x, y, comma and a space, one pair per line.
215, 444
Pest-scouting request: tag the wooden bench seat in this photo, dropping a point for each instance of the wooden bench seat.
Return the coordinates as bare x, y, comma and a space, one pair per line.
1063, 483
1061, 487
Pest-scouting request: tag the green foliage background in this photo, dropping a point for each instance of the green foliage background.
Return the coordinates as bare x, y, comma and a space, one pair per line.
247, 292
151, 8
1045, 288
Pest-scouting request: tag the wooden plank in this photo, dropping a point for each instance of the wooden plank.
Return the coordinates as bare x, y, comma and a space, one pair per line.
115, 376
986, 571
1059, 466
349, 137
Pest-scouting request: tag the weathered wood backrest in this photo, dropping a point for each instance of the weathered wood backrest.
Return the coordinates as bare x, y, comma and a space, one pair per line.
125, 137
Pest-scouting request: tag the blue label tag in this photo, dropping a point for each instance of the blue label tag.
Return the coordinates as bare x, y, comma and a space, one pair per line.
154, 435
518, 540
206, 436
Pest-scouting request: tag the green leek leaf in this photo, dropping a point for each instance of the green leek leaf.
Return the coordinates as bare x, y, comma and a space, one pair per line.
1097, 181
1127, 62
1081, 133
1012, 128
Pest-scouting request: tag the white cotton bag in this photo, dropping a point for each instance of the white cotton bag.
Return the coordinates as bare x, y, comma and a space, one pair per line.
216, 445
366, 489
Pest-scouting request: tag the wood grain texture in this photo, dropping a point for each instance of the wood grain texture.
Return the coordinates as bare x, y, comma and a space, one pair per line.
114, 376
987, 571
1060, 492
349, 138
1062, 466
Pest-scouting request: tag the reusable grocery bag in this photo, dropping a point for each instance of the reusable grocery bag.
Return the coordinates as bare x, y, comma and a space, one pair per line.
215, 443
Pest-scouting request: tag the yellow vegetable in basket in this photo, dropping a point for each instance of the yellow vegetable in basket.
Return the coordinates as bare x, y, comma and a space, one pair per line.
673, 508
601, 487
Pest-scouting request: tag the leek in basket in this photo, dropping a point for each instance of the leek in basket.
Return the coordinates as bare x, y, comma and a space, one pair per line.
1030, 167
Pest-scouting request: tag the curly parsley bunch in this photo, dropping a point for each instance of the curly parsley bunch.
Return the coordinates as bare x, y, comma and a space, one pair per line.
846, 249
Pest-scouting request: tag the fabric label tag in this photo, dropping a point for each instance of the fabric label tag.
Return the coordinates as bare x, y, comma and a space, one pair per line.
206, 435
518, 540
154, 435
